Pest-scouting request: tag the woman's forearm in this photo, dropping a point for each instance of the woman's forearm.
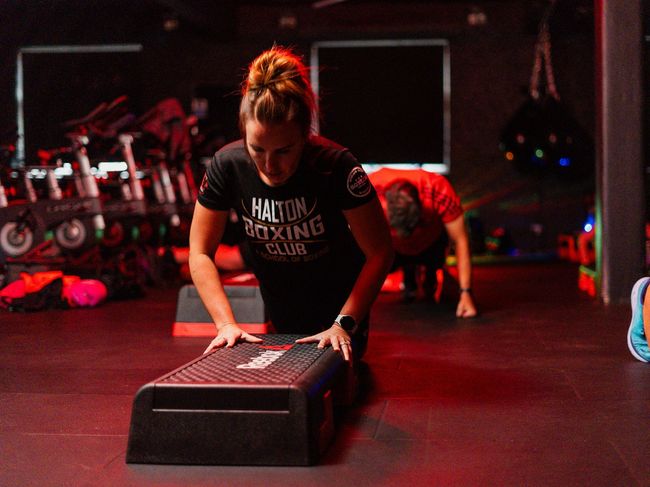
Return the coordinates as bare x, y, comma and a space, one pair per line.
206, 279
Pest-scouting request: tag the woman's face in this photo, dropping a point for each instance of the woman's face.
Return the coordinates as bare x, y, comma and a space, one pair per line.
275, 149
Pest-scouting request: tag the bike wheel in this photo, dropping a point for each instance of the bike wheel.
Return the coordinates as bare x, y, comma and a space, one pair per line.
72, 234
15, 239
113, 234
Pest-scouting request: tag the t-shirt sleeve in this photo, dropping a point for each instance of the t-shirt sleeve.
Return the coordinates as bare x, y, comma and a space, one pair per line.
353, 185
215, 192
445, 200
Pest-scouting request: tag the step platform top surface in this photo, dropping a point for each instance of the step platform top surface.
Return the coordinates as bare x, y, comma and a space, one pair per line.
278, 360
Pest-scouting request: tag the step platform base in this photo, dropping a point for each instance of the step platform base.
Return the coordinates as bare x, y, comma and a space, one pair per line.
254, 404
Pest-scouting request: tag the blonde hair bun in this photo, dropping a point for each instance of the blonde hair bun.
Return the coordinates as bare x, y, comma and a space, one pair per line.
277, 89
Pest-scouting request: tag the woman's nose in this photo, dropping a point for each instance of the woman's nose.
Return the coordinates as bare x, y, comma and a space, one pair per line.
270, 162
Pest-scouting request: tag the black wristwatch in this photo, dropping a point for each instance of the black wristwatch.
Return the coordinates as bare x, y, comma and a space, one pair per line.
346, 322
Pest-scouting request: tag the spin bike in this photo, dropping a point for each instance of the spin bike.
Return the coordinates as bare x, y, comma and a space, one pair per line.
124, 207
41, 202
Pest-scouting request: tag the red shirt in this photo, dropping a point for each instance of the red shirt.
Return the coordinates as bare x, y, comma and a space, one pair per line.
440, 205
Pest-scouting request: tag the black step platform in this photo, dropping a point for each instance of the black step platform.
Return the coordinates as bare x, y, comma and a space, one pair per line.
253, 404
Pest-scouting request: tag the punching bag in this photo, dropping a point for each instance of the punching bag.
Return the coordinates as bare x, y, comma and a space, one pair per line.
542, 136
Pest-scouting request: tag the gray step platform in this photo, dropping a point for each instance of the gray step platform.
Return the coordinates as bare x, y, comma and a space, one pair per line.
192, 319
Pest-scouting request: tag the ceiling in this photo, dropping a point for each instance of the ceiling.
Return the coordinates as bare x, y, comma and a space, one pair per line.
73, 21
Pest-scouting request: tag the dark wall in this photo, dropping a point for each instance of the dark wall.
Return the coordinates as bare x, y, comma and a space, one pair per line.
491, 66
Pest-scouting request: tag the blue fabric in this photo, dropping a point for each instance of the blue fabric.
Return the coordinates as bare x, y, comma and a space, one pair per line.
637, 342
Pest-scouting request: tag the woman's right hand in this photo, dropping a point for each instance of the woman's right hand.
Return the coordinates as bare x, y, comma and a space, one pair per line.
228, 335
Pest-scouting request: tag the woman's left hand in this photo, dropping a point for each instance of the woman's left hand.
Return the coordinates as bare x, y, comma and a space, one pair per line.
334, 336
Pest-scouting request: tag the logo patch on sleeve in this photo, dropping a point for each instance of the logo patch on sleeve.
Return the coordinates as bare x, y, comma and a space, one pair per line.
204, 184
358, 182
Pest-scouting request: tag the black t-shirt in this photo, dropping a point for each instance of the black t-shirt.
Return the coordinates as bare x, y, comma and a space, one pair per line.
297, 239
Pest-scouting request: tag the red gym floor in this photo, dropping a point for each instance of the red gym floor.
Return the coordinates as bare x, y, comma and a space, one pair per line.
538, 391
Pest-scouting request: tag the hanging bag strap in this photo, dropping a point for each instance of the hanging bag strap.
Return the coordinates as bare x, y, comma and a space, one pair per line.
543, 56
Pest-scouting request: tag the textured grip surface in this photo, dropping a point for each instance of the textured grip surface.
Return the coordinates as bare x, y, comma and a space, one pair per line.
282, 359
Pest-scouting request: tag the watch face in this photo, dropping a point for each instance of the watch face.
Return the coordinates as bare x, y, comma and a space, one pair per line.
347, 322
